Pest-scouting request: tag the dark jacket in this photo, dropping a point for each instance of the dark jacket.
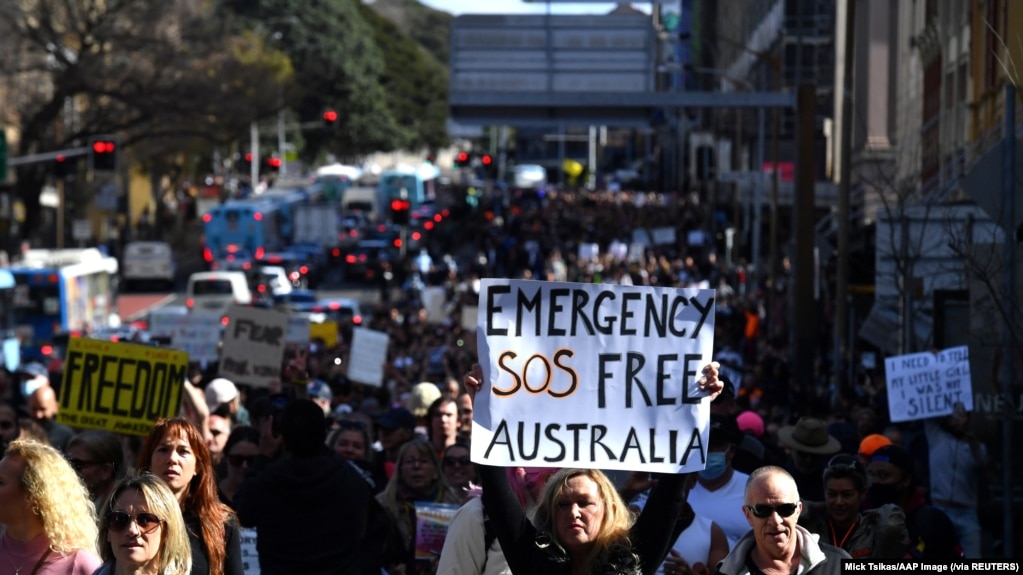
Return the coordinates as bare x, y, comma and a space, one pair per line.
817, 558
531, 551
201, 558
310, 515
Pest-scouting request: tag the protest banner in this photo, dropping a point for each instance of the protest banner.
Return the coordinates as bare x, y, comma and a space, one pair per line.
250, 556
254, 342
432, 521
197, 334
120, 387
368, 356
592, 375
926, 384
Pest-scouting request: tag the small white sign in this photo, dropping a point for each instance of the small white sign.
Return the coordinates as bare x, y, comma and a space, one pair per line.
197, 334
367, 357
664, 236
924, 385
298, 330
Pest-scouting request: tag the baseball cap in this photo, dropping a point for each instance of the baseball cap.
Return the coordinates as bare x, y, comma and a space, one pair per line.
220, 391
872, 443
318, 389
397, 418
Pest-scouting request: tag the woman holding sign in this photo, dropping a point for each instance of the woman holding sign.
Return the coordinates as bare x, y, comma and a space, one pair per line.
581, 524
176, 452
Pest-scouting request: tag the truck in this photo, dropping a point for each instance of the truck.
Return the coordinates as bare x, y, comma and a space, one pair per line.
317, 224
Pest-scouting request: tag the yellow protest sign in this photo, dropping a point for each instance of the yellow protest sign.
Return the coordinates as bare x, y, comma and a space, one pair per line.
327, 331
120, 387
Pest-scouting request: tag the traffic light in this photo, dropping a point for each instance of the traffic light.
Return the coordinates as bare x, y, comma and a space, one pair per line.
462, 160
400, 211
63, 167
246, 162
103, 152
329, 118
273, 164
489, 165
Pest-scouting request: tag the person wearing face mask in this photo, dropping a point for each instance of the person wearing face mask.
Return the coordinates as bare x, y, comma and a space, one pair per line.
718, 493
932, 536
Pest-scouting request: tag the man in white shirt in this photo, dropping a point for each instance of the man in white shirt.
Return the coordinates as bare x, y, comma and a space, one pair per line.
720, 490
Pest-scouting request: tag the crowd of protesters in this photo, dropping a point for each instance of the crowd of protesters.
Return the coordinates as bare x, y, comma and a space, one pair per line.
328, 469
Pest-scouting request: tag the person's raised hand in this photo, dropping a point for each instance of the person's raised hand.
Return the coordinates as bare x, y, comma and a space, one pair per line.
473, 380
709, 381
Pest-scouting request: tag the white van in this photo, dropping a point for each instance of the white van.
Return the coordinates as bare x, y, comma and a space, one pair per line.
148, 261
215, 292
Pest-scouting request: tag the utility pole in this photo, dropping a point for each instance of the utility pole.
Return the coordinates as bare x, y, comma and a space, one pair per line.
804, 306
842, 260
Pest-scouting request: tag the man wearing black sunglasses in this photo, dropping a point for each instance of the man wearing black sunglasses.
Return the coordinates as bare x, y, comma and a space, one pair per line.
776, 544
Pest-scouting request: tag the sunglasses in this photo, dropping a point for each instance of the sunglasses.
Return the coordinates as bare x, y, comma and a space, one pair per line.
80, 464
452, 461
239, 460
765, 511
118, 521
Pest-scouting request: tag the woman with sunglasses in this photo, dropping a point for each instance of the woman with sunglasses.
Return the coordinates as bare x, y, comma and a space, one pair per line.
176, 452
98, 458
49, 523
418, 478
582, 525
459, 469
142, 530
240, 453
877, 533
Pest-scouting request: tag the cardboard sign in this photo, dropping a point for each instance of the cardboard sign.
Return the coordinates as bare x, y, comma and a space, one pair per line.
196, 334
120, 387
254, 342
298, 330
432, 521
924, 385
368, 356
598, 376
434, 298
250, 557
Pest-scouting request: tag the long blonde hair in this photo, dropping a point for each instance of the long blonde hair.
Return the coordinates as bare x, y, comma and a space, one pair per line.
614, 527
58, 497
175, 555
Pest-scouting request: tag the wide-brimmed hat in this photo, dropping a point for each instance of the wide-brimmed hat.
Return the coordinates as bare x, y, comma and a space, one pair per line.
809, 435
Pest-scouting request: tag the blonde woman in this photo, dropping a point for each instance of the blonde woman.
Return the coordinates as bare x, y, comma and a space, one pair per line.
49, 522
142, 530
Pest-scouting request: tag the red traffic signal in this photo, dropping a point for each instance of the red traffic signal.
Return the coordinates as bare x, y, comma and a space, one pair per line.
248, 157
462, 159
103, 155
329, 118
487, 160
400, 211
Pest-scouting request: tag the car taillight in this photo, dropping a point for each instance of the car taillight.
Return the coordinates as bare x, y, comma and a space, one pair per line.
207, 254
189, 302
350, 259
357, 319
260, 252
46, 350
294, 276
304, 269
335, 252
225, 320
261, 288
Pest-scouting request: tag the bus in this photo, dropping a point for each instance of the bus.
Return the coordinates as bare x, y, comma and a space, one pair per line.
246, 229
8, 338
417, 185
336, 179
57, 292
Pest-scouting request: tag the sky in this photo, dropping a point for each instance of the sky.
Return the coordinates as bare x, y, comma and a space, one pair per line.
458, 7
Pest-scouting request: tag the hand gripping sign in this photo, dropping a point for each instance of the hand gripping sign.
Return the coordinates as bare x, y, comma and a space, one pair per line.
596, 376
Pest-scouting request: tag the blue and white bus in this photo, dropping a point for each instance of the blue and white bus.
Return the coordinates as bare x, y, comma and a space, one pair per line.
417, 185
11, 346
58, 292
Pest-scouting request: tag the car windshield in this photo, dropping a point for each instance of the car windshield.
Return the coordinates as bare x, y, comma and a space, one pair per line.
212, 287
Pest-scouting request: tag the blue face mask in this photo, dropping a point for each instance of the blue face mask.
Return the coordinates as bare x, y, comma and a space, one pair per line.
716, 465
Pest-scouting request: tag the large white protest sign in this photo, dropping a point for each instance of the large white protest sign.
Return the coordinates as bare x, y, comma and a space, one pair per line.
254, 342
926, 384
368, 356
197, 334
596, 376
434, 298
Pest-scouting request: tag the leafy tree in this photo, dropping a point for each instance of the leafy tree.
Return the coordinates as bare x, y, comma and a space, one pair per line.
415, 83
160, 75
